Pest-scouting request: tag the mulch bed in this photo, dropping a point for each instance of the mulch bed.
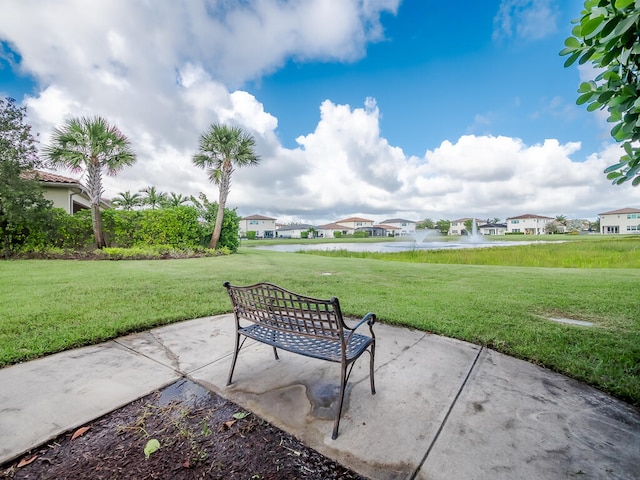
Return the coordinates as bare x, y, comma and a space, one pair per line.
201, 435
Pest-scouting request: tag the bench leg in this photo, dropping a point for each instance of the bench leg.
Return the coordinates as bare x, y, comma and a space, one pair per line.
235, 357
372, 353
275, 353
343, 381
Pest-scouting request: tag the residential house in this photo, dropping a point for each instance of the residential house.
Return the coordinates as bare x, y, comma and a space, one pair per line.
492, 228
293, 231
624, 220
458, 227
403, 227
265, 227
528, 224
355, 222
329, 230
380, 230
65, 192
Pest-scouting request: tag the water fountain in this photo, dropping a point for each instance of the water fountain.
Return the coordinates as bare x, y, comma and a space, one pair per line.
475, 236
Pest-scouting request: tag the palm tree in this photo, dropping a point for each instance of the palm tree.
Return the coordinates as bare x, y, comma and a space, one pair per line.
93, 145
175, 200
127, 200
221, 150
153, 197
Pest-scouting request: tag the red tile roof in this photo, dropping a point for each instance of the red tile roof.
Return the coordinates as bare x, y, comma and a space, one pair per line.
621, 211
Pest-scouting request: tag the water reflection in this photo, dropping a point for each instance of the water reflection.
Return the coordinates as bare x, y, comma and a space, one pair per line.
389, 247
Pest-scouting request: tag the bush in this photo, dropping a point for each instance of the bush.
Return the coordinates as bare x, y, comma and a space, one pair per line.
251, 235
337, 234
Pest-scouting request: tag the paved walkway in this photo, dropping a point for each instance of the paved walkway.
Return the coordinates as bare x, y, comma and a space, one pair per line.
444, 409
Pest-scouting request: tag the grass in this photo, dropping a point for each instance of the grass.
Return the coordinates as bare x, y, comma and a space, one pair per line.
49, 306
574, 253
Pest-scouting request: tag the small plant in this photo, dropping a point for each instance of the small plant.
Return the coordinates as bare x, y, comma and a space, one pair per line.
152, 446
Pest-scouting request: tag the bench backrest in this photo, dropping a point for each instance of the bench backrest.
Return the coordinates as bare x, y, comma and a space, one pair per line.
280, 309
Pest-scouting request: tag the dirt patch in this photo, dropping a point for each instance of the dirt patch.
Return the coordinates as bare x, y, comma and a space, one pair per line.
201, 435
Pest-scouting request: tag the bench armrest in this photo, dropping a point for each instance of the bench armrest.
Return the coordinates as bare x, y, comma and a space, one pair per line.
369, 319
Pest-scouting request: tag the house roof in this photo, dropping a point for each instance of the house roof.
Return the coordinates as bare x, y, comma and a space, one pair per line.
528, 215
396, 220
493, 225
387, 227
257, 217
333, 226
354, 219
477, 220
47, 177
621, 211
298, 226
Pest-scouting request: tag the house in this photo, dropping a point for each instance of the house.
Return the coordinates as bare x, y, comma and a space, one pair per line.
331, 230
528, 224
457, 227
65, 192
355, 222
265, 227
380, 230
403, 227
492, 228
624, 220
293, 231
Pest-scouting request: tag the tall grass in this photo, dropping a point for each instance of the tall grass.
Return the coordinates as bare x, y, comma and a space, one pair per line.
611, 253
48, 306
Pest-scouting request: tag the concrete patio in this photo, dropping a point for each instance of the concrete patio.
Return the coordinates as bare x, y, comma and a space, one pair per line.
444, 408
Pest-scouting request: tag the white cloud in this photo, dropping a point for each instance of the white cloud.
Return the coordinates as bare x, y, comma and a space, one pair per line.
525, 19
163, 71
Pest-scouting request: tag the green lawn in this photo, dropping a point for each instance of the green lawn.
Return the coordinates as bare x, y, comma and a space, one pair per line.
48, 306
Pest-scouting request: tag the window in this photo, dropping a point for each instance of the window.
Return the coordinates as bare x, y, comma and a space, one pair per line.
253, 222
516, 230
515, 221
632, 228
631, 216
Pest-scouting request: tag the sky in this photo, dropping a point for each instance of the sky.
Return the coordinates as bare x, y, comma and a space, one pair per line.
381, 109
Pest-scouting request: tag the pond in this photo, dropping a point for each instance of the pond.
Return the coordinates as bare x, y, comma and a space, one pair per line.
390, 247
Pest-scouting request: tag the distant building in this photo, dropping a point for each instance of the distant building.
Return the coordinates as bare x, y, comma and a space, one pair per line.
404, 227
492, 228
624, 220
528, 224
328, 230
265, 227
65, 192
380, 230
458, 227
355, 222
294, 230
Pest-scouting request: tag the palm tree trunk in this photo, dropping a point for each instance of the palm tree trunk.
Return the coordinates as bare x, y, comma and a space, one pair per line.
96, 219
217, 230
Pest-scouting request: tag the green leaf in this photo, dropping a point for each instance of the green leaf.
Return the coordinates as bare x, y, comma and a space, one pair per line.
152, 446
626, 24
594, 106
240, 415
584, 98
613, 168
585, 87
572, 42
590, 26
609, 27
586, 56
571, 60
623, 3
613, 175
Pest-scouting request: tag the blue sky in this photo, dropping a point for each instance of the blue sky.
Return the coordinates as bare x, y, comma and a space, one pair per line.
385, 108
440, 73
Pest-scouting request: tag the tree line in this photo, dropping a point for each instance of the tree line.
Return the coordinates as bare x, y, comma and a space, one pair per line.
94, 147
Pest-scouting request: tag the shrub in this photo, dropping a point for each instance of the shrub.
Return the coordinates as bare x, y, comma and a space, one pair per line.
251, 235
337, 234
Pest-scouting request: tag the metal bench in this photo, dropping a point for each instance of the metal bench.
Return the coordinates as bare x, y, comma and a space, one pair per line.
309, 326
